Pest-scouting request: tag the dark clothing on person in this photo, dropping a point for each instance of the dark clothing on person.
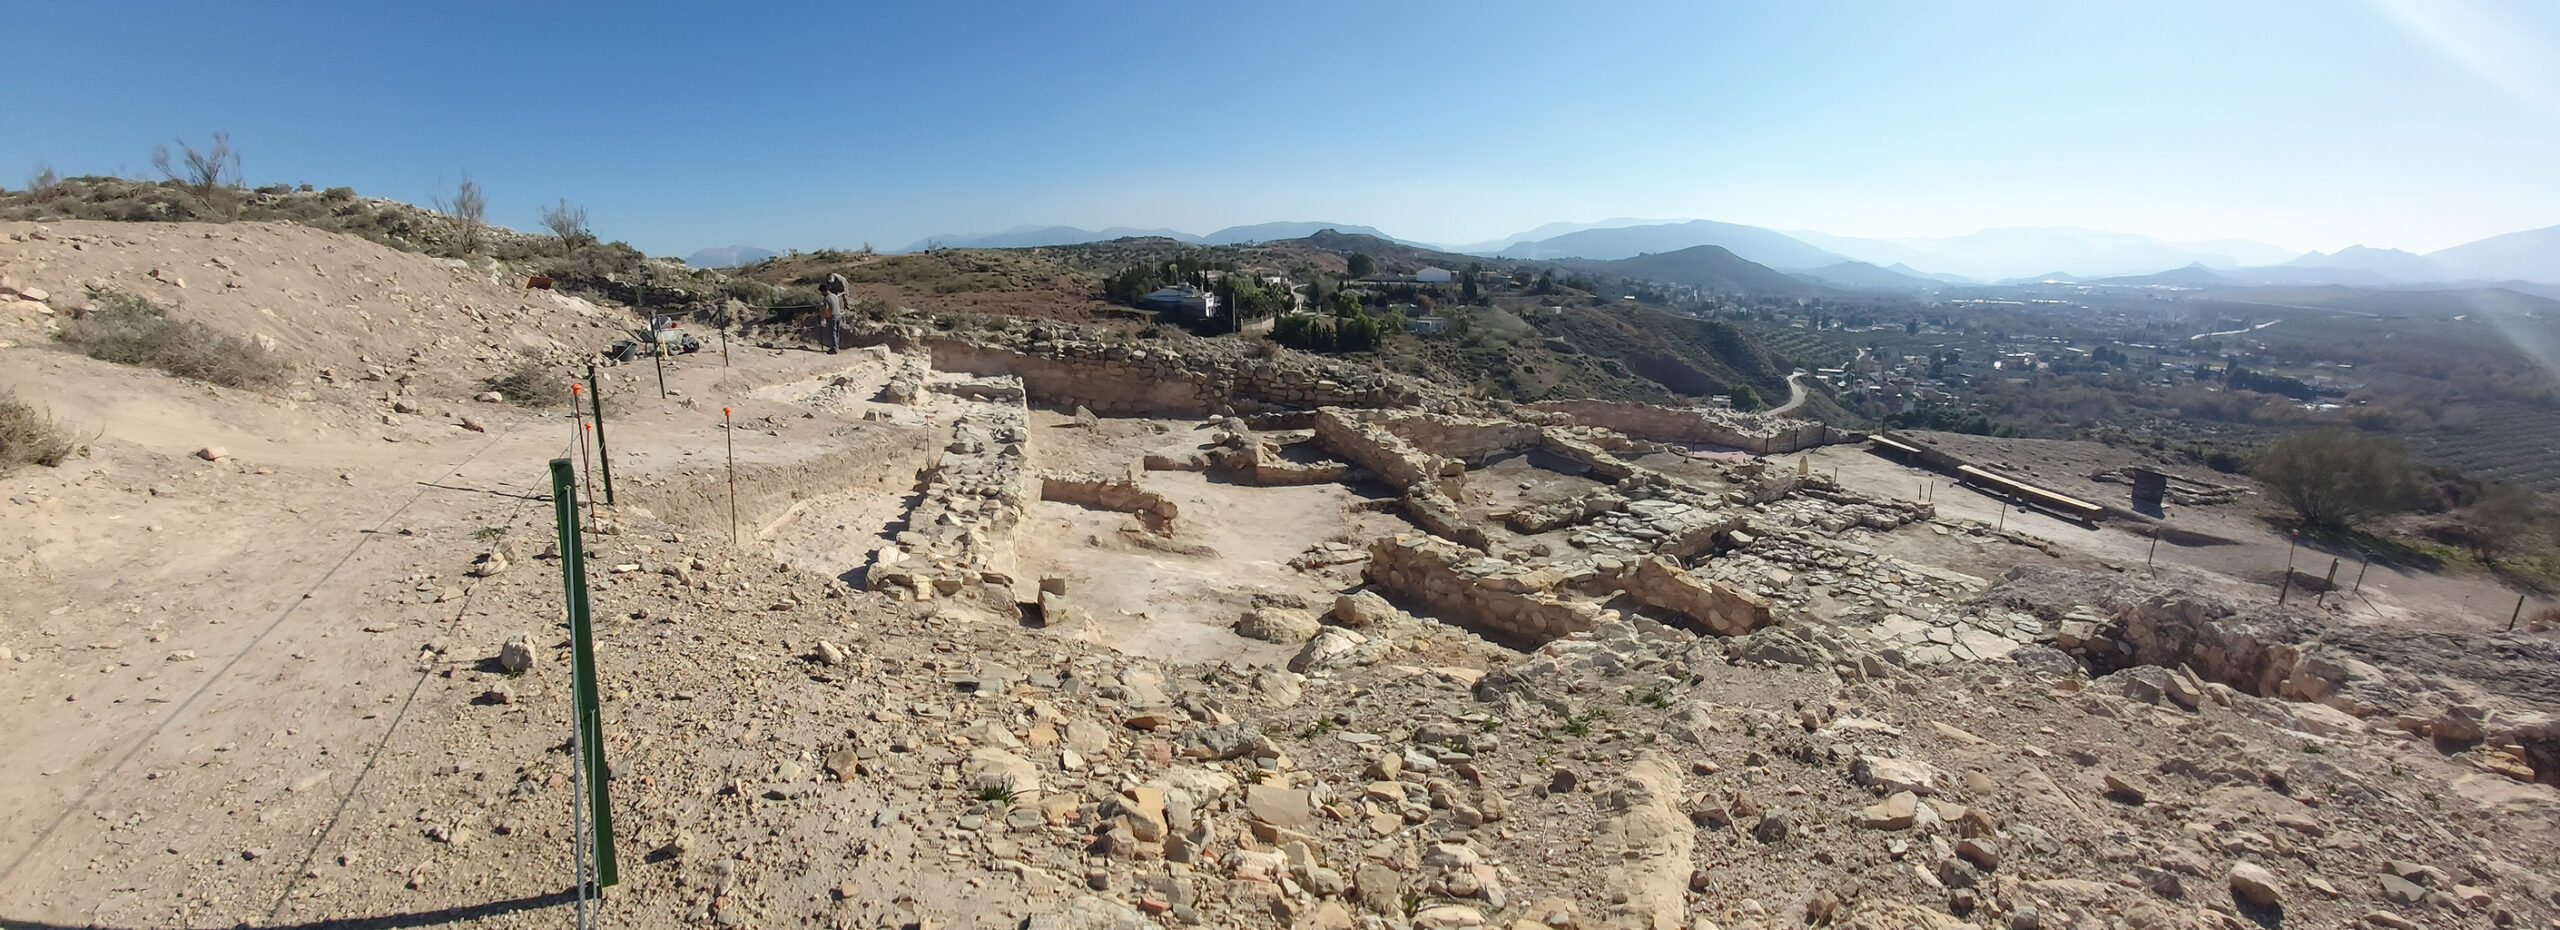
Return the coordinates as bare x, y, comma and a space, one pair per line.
833, 294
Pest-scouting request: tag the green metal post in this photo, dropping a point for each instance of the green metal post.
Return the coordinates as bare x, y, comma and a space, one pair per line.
604, 456
582, 672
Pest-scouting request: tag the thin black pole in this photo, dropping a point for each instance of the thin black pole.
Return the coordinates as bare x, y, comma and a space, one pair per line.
661, 356
604, 456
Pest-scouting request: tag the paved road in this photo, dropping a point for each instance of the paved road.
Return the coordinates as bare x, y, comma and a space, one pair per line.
1795, 394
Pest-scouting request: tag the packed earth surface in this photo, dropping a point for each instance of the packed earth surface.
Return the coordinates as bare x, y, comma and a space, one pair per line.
1023, 624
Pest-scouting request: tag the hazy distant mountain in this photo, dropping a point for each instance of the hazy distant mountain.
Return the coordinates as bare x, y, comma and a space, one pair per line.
1023, 237
1550, 231
2389, 264
2193, 275
1938, 276
2531, 255
728, 255
1707, 266
1994, 254
1267, 232
1751, 243
1864, 276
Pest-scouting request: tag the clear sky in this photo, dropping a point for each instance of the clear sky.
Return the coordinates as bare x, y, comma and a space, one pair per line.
2417, 124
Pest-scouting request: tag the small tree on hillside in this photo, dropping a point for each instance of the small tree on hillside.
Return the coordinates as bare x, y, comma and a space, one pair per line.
569, 222
1362, 265
469, 210
43, 181
2336, 478
211, 172
1745, 398
2502, 520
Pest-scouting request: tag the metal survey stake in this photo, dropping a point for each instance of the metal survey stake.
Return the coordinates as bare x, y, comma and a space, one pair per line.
604, 456
730, 431
587, 462
592, 811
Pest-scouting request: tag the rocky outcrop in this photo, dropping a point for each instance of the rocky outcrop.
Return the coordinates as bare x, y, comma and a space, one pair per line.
1651, 841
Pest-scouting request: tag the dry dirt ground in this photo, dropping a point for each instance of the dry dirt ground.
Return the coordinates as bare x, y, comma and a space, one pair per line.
2238, 553
266, 689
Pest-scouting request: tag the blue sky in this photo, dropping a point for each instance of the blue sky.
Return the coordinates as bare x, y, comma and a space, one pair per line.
2411, 123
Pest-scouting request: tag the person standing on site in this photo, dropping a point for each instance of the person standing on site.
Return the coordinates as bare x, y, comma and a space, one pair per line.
832, 293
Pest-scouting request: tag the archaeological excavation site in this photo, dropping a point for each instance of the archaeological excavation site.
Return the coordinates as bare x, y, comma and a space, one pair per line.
992, 621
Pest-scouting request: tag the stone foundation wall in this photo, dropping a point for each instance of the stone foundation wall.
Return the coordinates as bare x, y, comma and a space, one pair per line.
1567, 512
1436, 513
1119, 495
1721, 607
1394, 460
907, 385
959, 536
1767, 435
1467, 438
1060, 365
1466, 587
1603, 465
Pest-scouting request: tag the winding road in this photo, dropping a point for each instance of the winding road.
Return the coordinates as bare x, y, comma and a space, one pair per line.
1795, 394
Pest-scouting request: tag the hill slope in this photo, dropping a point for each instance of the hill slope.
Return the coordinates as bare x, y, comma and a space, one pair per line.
1751, 242
1268, 232
1706, 267
2531, 255
1868, 277
1023, 237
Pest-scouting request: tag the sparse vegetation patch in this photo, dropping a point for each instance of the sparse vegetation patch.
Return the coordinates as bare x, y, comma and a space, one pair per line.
28, 436
130, 330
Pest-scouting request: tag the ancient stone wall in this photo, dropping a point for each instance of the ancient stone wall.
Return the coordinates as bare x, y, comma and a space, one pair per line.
1395, 461
1572, 510
1436, 513
1471, 589
1466, 438
1063, 366
906, 386
1722, 607
1762, 433
959, 536
1604, 466
1119, 495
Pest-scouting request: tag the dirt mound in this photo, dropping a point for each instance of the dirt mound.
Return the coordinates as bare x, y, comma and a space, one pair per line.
335, 306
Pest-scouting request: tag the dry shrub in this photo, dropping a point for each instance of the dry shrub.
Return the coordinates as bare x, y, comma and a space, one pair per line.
129, 330
529, 384
28, 436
